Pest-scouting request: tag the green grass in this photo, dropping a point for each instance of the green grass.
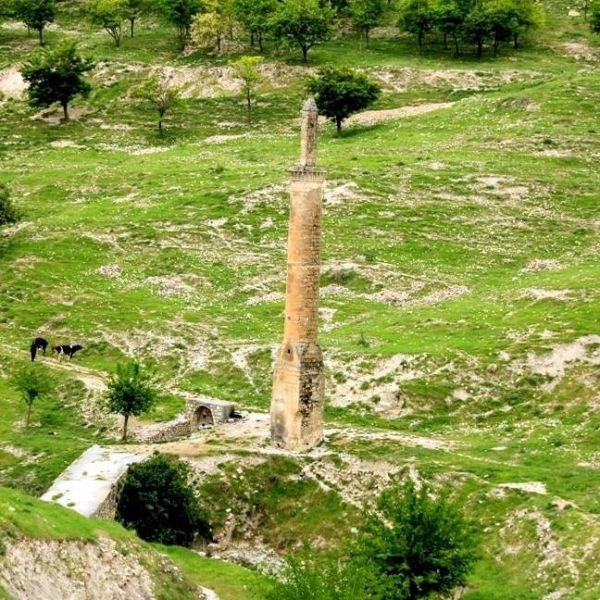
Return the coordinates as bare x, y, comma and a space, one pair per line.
227, 580
25, 517
447, 213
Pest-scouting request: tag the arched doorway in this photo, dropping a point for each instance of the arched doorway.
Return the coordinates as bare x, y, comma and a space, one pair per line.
202, 418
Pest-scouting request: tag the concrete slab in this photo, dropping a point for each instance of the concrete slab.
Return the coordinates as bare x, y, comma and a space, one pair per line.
88, 482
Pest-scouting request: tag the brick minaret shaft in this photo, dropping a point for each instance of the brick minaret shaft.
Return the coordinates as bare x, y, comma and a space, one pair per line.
298, 381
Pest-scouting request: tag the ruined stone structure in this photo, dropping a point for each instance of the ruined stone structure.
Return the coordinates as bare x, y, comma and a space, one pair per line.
299, 382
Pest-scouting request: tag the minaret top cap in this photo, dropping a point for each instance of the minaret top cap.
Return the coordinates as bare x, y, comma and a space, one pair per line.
310, 105
308, 140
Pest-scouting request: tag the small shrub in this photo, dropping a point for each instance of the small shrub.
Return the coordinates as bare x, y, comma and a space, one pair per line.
157, 500
8, 212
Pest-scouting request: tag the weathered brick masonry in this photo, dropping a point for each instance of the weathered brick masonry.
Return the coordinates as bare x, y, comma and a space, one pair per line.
298, 382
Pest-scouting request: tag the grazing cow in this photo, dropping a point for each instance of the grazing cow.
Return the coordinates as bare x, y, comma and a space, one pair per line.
38, 343
67, 349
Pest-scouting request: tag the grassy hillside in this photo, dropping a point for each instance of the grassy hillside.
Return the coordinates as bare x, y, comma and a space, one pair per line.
50, 529
460, 298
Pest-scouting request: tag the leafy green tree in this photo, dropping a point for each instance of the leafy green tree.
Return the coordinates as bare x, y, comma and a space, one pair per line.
254, 16
340, 92
416, 17
246, 69
133, 11
8, 212
36, 14
57, 76
419, 545
207, 30
110, 14
525, 16
365, 15
161, 96
181, 13
595, 17
32, 383
477, 26
303, 23
129, 393
448, 17
158, 501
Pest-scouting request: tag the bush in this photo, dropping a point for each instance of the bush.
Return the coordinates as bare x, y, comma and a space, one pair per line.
157, 500
8, 212
341, 92
419, 545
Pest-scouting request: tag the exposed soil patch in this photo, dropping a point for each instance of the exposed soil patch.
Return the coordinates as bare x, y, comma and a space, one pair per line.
43, 569
556, 362
12, 84
372, 117
580, 51
400, 80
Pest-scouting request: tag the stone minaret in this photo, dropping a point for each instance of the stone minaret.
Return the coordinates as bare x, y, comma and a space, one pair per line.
298, 381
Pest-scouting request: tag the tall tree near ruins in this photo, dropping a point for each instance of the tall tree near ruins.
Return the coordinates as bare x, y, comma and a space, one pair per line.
36, 14
365, 15
341, 92
57, 76
246, 69
303, 23
129, 393
181, 13
110, 14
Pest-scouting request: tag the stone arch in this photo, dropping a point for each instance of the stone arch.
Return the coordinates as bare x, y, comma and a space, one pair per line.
202, 417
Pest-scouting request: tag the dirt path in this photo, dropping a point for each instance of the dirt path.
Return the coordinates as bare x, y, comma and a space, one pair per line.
372, 117
94, 380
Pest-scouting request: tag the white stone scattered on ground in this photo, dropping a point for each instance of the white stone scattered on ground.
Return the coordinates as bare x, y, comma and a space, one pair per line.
533, 487
371, 117
12, 84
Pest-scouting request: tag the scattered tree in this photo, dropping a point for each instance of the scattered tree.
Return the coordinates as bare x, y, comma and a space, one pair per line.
246, 69
448, 17
181, 13
8, 212
303, 23
341, 92
161, 96
476, 27
207, 30
595, 17
32, 383
129, 393
210, 26
110, 14
158, 501
57, 76
133, 10
416, 16
365, 15
36, 14
420, 546
254, 16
